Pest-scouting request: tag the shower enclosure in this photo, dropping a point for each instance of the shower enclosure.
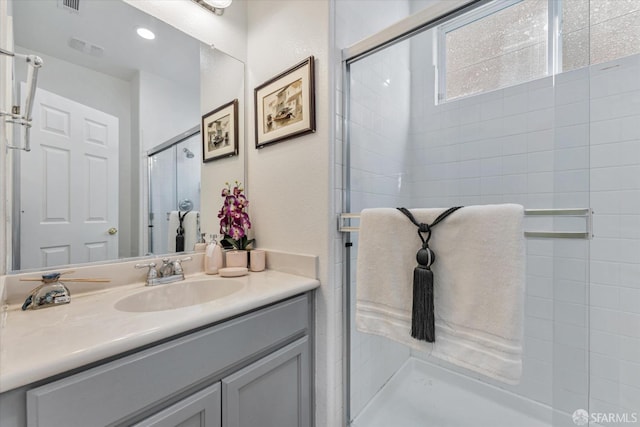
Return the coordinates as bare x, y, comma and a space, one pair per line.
174, 185
535, 102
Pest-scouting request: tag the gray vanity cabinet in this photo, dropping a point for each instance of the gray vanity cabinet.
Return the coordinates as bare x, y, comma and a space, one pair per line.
273, 392
199, 410
253, 370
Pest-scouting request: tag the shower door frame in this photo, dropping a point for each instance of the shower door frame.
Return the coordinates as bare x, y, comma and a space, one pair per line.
429, 17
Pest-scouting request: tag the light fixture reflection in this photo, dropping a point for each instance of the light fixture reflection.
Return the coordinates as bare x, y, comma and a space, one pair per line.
145, 33
220, 4
215, 6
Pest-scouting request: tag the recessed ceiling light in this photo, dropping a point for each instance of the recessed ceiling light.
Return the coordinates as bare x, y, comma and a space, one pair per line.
145, 33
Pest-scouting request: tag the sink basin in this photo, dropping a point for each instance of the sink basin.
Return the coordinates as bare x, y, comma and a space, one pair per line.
178, 295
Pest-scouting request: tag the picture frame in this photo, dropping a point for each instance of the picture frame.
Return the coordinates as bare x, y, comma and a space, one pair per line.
285, 105
220, 132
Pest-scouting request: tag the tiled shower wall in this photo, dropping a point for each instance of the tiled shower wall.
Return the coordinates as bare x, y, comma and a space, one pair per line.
552, 143
541, 144
524, 144
615, 249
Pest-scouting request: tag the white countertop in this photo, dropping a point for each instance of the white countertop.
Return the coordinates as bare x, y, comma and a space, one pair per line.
37, 344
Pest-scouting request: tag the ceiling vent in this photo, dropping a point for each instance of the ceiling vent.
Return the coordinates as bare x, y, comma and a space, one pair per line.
72, 6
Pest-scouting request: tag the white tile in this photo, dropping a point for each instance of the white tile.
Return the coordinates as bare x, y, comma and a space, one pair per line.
515, 124
570, 291
540, 120
604, 343
572, 91
603, 296
492, 109
538, 328
540, 182
571, 158
629, 324
572, 114
571, 181
607, 226
615, 178
605, 272
541, 140
571, 314
615, 154
539, 307
541, 161
575, 337
541, 98
514, 164
604, 389
615, 130
536, 348
615, 106
629, 348
572, 136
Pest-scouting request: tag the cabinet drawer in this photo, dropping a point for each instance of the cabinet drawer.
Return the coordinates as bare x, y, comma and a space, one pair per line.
111, 392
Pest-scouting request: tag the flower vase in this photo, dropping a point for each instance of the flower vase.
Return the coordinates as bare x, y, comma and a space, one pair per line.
236, 258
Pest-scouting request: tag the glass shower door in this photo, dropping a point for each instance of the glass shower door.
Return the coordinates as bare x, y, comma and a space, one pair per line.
520, 136
174, 185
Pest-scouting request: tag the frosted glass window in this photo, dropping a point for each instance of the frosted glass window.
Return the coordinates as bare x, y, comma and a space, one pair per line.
507, 42
595, 31
501, 48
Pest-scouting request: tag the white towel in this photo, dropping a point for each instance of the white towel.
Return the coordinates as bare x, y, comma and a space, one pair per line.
479, 277
191, 225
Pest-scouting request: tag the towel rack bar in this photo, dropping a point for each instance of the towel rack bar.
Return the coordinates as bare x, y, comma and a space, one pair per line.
557, 212
557, 234
580, 212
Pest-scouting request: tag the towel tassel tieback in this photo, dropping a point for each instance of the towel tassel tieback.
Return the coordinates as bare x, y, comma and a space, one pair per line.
180, 232
422, 315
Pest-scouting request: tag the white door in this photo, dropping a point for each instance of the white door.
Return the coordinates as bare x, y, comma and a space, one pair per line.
68, 185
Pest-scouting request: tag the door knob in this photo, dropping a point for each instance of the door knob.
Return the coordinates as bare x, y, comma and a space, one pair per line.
112, 231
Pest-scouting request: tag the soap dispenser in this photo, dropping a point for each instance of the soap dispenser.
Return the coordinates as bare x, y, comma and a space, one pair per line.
201, 245
213, 257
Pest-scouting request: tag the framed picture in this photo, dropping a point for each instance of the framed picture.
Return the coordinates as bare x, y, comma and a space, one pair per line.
220, 132
285, 105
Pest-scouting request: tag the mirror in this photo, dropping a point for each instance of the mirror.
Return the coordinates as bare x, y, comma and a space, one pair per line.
108, 101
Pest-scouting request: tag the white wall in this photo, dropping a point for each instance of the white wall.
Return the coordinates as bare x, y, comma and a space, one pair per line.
290, 182
221, 81
166, 109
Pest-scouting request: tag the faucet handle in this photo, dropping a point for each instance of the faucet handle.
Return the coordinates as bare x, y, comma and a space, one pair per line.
177, 264
152, 273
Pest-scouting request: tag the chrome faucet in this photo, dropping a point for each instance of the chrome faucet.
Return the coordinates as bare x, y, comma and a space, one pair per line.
169, 272
50, 293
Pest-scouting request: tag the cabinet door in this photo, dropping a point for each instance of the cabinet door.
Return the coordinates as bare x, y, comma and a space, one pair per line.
201, 409
273, 392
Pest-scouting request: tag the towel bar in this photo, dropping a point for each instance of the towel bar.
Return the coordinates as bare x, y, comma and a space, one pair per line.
576, 212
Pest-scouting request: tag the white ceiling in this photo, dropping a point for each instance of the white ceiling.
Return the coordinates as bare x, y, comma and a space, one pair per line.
45, 26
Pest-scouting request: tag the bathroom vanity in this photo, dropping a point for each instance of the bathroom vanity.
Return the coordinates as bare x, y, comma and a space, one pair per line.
252, 368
